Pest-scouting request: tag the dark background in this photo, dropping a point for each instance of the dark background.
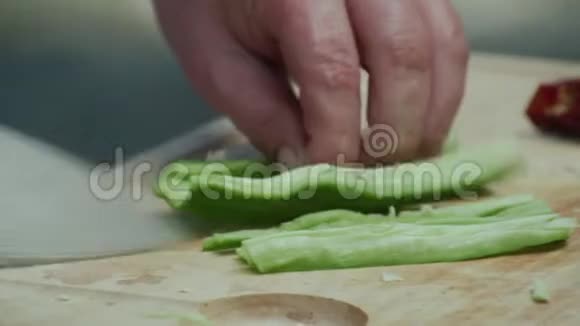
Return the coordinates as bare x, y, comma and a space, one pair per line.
91, 75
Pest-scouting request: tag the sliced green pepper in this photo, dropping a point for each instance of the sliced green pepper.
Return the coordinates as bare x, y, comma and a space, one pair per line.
471, 213
398, 243
322, 187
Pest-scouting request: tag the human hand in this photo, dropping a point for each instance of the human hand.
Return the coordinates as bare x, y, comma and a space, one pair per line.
239, 54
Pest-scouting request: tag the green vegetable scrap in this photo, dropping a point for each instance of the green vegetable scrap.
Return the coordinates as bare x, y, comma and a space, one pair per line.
255, 191
539, 292
388, 277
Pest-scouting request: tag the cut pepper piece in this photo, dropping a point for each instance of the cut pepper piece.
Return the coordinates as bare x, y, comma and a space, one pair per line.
555, 107
398, 243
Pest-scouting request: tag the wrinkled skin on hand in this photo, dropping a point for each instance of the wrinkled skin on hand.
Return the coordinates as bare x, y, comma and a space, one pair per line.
240, 54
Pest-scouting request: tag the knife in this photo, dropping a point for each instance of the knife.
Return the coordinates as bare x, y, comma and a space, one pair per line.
50, 212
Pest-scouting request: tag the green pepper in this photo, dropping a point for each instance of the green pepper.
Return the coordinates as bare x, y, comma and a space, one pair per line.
482, 212
398, 243
275, 195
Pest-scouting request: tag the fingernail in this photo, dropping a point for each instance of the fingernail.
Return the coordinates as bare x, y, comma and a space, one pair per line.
291, 158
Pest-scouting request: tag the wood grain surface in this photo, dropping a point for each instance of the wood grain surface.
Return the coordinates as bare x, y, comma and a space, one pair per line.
122, 291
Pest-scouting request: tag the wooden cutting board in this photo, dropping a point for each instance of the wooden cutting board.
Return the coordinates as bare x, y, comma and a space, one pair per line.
126, 290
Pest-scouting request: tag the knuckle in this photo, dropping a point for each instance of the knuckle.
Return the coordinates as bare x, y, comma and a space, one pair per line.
336, 66
283, 16
410, 50
290, 10
337, 74
454, 42
264, 118
459, 52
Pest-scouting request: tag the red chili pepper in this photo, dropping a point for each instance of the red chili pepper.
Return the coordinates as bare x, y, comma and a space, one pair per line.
556, 107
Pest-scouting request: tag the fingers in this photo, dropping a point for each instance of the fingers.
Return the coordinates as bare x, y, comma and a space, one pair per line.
450, 59
260, 105
319, 50
232, 81
397, 50
414, 50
